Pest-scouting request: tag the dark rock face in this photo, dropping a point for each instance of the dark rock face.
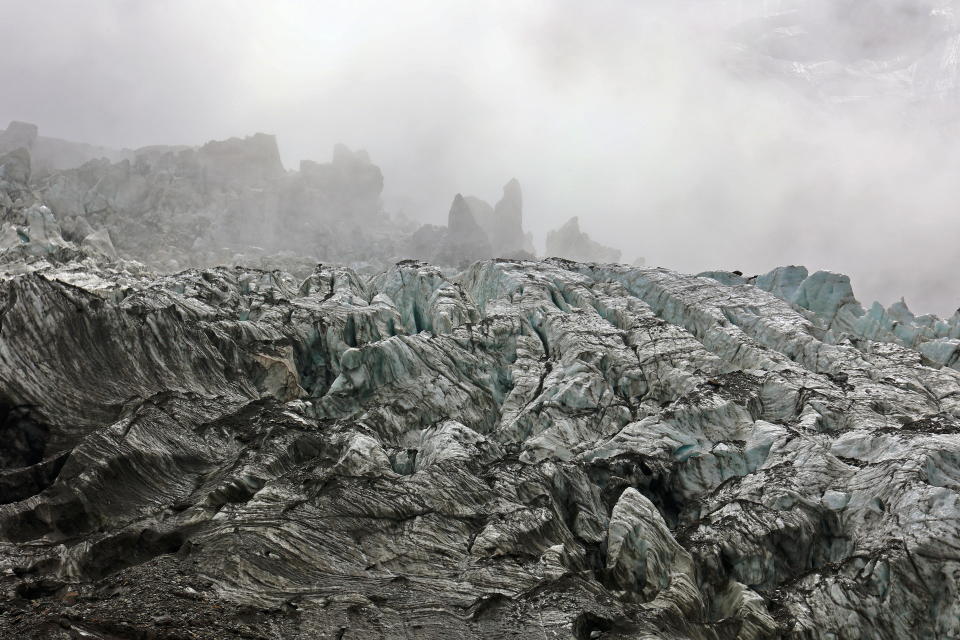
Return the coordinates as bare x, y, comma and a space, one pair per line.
571, 243
546, 448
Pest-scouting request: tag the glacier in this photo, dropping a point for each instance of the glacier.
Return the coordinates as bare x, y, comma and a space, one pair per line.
519, 447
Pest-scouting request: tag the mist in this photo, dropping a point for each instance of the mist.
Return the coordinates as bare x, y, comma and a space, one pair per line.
699, 135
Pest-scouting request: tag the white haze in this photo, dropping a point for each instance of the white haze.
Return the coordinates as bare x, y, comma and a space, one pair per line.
649, 119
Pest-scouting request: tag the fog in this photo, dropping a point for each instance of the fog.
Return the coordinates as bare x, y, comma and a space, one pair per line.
698, 134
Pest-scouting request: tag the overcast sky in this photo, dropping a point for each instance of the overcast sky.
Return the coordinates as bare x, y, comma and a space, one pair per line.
698, 133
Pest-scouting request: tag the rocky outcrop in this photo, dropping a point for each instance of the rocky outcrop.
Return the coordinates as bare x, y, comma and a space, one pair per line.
552, 448
571, 243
